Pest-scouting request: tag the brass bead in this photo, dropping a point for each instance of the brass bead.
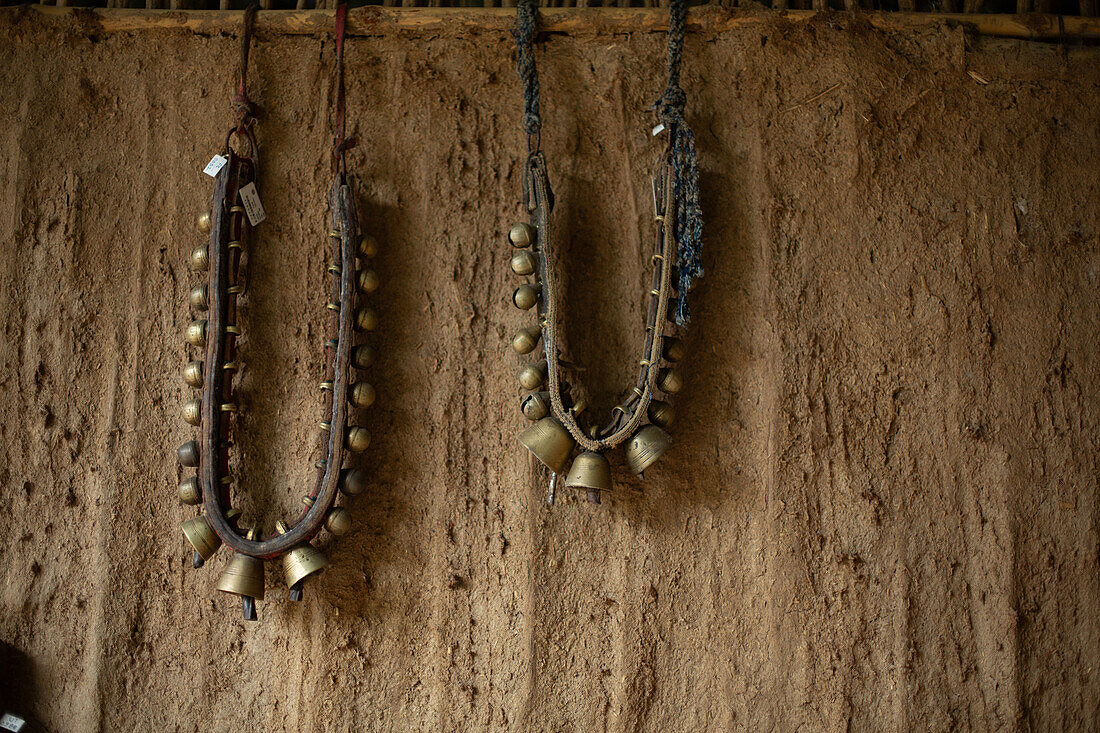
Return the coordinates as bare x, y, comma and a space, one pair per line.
197, 298
361, 394
535, 406
549, 441
192, 374
338, 521
188, 454
521, 234
526, 340
661, 413
368, 281
523, 262
532, 376
362, 356
525, 296
357, 439
368, 246
189, 491
353, 482
647, 445
203, 220
192, 411
669, 380
196, 333
200, 260
366, 319
673, 349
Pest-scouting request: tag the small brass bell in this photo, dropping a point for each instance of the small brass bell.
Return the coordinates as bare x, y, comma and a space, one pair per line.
197, 298
188, 454
361, 394
672, 349
366, 319
368, 246
549, 441
590, 470
203, 220
362, 356
200, 259
368, 281
196, 333
192, 411
353, 482
523, 262
669, 380
661, 413
535, 406
189, 491
192, 374
357, 439
244, 577
525, 296
299, 563
532, 376
203, 538
526, 340
521, 235
647, 445
338, 521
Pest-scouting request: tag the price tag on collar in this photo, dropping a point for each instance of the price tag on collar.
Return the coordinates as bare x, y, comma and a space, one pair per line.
216, 164
12, 722
658, 129
250, 199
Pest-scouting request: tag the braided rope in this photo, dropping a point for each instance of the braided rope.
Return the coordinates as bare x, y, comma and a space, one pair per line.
524, 35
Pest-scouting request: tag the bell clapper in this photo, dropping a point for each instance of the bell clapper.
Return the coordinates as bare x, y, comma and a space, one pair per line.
553, 488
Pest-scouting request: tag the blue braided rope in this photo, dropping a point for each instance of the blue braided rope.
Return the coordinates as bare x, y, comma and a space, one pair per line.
524, 35
685, 164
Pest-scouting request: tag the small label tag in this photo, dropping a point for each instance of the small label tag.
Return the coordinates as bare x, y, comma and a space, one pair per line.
216, 164
12, 722
658, 129
250, 198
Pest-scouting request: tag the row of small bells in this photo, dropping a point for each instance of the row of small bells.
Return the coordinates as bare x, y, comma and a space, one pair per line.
547, 438
244, 576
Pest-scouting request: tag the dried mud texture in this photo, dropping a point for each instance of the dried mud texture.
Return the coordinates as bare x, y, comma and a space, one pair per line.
880, 512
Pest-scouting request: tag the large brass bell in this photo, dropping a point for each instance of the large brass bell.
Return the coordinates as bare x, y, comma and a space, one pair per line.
361, 394
525, 296
647, 445
338, 521
353, 482
368, 246
590, 470
523, 262
362, 356
532, 376
549, 441
535, 406
521, 235
526, 340
366, 319
299, 563
188, 454
368, 281
244, 577
661, 413
203, 538
196, 333
669, 380
357, 439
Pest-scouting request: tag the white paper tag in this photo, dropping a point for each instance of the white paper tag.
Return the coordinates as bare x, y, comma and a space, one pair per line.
216, 164
250, 199
12, 722
658, 129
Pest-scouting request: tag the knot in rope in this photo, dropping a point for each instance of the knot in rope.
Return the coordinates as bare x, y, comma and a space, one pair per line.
524, 35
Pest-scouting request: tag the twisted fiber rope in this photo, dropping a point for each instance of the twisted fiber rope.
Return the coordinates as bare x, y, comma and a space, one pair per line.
685, 166
524, 35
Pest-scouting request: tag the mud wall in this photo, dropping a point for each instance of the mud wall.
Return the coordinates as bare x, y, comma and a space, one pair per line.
881, 508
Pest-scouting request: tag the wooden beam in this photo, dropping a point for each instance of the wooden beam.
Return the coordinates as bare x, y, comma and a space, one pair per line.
377, 21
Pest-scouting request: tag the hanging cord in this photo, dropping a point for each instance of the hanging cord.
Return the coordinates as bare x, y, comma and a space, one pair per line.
340, 142
524, 35
243, 108
685, 167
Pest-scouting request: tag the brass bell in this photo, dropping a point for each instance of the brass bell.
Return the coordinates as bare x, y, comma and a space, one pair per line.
590, 470
200, 259
523, 262
244, 577
188, 454
368, 246
357, 439
521, 235
525, 296
361, 394
189, 491
673, 349
368, 281
353, 482
192, 411
532, 376
196, 333
192, 374
299, 563
526, 340
197, 298
549, 441
661, 413
647, 445
362, 356
366, 319
535, 406
669, 380
203, 220
338, 521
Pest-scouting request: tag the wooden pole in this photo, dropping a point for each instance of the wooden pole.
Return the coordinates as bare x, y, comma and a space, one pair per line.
378, 21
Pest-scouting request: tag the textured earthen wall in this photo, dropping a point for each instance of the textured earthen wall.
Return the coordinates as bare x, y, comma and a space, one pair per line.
881, 509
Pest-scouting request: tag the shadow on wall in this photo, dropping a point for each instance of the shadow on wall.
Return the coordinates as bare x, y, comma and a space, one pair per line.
17, 694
